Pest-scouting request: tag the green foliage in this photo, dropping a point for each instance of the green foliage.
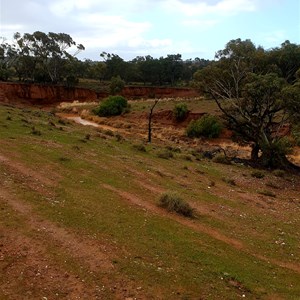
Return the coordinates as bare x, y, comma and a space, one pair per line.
273, 154
173, 203
111, 106
296, 134
116, 85
71, 81
180, 111
208, 126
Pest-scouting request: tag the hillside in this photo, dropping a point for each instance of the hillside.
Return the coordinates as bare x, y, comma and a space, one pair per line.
80, 220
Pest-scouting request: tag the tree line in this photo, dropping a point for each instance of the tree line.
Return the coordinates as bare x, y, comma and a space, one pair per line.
47, 58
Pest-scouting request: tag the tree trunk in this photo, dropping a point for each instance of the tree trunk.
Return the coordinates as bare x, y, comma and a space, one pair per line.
272, 159
150, 121
149, 127
254, 152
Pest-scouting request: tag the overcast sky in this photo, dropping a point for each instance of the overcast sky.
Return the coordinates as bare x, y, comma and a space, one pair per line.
130, 28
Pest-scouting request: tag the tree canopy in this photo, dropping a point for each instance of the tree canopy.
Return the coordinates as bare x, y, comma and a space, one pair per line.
257, 101
39, 56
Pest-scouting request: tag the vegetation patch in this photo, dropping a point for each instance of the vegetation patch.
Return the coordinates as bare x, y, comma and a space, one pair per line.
111, 106
279, 173
208, 126
258, 174
180, 112
221, 159
267, 193
140, 147
229, 181
174, 203
165, 154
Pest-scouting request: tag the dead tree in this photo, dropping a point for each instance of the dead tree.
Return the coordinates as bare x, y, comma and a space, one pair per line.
150, 120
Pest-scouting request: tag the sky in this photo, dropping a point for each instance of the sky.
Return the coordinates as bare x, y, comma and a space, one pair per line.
131, 28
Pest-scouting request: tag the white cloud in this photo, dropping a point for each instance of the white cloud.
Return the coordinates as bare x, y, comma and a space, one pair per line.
275, 37
202, 8
200, 24
109, 31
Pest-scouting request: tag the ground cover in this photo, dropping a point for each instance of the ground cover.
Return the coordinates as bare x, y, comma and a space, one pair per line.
80, 217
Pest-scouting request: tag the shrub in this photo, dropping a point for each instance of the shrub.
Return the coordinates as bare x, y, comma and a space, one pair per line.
229, 181
35, 131
258, 174
173, 149
111, 106
173, 203
279, 173
165, 154
180, 111
140, 147
272, 185
116, 85
267, 193
221, 159
207, 126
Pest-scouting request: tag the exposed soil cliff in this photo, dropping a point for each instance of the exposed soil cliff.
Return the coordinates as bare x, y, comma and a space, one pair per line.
44, 94
48, 94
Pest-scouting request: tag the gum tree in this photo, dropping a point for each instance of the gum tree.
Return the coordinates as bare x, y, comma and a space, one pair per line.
257, 106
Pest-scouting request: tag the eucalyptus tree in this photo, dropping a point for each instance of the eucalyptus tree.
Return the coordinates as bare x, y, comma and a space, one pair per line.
256, 105
46, 54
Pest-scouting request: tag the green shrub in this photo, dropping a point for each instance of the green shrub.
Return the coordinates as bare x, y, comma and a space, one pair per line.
116, 85
180, 111
111, 106
207, 126
173, 203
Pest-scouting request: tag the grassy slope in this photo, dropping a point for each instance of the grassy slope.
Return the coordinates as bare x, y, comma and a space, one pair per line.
156, 252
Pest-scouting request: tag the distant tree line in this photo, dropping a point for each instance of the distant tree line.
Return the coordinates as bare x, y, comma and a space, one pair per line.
46, 58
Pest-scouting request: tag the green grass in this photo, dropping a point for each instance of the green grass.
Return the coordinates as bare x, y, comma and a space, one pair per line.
158, 253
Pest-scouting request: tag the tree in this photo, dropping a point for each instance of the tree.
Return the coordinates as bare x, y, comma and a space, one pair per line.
150, 120
256, 106
42, 56
287, 59
115, 66
116, 85
8, 56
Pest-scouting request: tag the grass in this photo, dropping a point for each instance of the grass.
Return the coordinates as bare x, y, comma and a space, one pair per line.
156, 252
